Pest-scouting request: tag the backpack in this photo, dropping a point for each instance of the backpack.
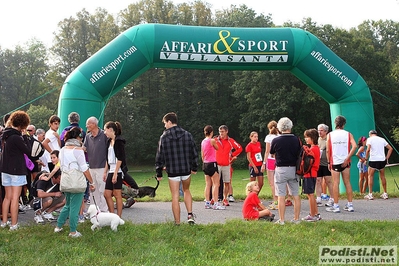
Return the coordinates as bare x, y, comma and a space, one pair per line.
305, 160
37, 149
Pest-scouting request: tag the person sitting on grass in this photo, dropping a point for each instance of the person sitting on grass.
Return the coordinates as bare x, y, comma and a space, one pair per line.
253, 209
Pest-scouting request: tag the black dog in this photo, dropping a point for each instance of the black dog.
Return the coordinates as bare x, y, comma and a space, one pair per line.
147, 191
129, 194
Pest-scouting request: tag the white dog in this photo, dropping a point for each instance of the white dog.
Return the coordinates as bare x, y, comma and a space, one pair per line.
100, 219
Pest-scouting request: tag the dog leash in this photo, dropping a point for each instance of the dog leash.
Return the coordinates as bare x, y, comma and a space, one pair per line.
95, 204
145, 181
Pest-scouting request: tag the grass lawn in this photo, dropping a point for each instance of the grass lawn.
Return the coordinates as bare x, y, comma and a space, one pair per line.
234, 243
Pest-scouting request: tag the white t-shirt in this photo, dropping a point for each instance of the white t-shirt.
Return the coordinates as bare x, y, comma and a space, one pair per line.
112, 160
377, 148
53, 143
269, 139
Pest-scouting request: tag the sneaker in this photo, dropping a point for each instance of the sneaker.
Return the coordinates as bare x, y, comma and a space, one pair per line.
57, 229
333, 209
225, 202
129, 202
218, 206
26, 207
81, 219
49, 216
349, 208
14, 227
330, 203
208, 205
38, 219
267, 218
310, 218
190, 219
288, 203
4, 225
21, 209
77, 234
295, 221
325, 197
384, 195
318, 216
231, 198
212, 202
279, 222
369, 197
319, 203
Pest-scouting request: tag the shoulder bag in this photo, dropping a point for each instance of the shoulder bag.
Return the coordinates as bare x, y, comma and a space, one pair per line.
72, 180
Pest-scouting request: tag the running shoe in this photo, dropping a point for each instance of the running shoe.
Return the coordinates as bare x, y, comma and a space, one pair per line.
226, 202
349, 208
217, 206
333, 209
288, 203
330, 203
384, 196
231, 198
369, 197
310, 218
190, 219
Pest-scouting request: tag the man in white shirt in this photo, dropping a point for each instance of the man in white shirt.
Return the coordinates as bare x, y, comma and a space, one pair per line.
376, 161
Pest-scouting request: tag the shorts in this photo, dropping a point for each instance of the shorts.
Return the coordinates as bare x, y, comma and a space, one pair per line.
179, 178
252, 172
339, 168
285, 176
309, 185
378, 164
323, 171
8, 180
108, 183
271, 164
225, 173
210, 168
362, 167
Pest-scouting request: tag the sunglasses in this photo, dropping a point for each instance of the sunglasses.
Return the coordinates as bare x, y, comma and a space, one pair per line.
29, 130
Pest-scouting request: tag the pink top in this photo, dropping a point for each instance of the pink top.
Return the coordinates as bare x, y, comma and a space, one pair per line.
208, 151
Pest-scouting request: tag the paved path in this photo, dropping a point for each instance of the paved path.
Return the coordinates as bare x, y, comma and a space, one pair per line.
161, 212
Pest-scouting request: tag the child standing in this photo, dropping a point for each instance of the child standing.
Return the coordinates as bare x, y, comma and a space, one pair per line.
309, 180
253, 209
254, 157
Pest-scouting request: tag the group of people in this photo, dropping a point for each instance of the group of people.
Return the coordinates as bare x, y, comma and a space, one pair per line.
99, 156
332, 153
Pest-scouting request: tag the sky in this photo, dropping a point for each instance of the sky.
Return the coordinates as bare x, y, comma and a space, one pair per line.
26, 19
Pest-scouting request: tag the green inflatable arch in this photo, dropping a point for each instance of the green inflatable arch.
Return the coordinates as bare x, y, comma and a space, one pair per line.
146, 46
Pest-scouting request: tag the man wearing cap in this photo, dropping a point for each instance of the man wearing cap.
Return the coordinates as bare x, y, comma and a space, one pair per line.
375, 155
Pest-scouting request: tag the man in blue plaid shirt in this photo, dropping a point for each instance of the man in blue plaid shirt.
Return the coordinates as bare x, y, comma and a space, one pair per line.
177, 152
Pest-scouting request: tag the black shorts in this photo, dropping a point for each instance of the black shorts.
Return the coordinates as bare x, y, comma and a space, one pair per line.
378, 164
109, 185
210, 168
339, 168
323, 171
308, 185
252, 172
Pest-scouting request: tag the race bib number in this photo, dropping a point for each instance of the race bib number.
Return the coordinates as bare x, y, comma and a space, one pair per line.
258, 157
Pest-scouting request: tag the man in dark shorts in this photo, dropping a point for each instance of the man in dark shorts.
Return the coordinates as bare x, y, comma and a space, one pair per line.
377, 160
323, 174
341, 146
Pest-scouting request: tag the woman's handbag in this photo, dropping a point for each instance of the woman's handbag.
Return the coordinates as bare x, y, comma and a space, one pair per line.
29, 164
73, 180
